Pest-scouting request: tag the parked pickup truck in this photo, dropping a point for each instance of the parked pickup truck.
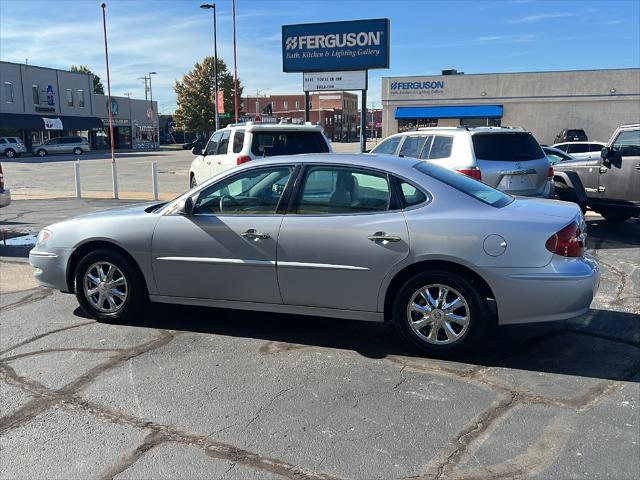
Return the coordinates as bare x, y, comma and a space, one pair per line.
609, 184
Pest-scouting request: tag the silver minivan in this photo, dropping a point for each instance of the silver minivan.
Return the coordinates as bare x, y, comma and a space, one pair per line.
75, 145
509, 159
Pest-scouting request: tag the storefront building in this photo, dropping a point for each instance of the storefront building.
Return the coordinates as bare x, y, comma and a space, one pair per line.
39, 103
544, 103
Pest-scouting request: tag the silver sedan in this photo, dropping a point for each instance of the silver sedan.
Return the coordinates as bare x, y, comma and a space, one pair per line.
439, 254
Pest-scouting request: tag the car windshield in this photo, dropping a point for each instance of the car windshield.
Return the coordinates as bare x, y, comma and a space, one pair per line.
473, 188
506, 147
271, 143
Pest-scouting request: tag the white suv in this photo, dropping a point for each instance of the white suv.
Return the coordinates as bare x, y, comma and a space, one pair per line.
240, 143
12, 147
509, 159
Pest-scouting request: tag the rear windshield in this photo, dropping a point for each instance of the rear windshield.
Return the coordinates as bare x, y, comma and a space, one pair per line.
473, 188
269, 144
576, 132
506, 147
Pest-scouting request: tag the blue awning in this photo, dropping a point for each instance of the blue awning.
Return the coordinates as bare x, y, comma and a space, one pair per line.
451, 111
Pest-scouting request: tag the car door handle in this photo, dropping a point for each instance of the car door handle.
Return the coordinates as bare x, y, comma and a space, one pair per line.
638, 166
383, 237
252, 234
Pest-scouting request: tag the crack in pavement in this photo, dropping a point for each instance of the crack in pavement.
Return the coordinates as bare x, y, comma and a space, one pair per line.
42, 335
39, 294
68, 397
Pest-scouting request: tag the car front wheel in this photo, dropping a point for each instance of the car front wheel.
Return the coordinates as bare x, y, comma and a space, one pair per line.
41, 153
441, 313
77, 151
108, 286
9, 153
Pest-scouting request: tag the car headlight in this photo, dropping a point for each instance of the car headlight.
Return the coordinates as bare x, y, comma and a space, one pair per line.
44, 236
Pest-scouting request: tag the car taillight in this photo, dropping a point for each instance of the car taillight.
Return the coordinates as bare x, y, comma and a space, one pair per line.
550, 174
471, 172
566, 242
243, 159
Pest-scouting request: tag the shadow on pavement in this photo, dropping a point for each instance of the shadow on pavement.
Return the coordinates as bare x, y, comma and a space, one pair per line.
602, 234
580, 349
84, 157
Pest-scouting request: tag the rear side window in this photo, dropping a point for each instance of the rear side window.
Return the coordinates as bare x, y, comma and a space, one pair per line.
564, 147
506, 147
440, 147
595, 148
269, 144
411, 195
478, 190
12, 140
238, 141
413, 145
388, 147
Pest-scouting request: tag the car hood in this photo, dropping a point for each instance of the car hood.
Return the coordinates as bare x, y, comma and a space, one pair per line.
122, 211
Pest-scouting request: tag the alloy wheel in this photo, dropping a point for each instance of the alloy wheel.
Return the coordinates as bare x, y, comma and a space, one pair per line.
438, 314
105, 287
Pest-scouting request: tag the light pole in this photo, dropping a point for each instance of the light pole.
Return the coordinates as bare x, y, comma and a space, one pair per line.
146, 87
258, 92
212, 6
153, 120
114, 172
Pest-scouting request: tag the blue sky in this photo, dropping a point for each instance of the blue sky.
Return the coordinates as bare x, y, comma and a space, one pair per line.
169, 36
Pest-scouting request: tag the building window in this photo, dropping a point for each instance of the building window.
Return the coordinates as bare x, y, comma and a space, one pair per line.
69, 97
273, 105
81, 98
286, 105
36, 94
310, 105
297, 105
8, 92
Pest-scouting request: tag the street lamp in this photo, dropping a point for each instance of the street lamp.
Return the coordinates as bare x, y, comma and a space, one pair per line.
212, 6
153, 123
258, 92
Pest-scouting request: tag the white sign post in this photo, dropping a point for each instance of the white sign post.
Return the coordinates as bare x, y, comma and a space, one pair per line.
328, 81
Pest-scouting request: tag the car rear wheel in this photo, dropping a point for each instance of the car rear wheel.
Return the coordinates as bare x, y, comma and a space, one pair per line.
77, 151
441, 313
9, 153
192, 182
41, 153
109, 287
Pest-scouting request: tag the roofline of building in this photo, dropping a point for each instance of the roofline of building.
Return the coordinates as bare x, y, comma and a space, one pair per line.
45, 68
518, 73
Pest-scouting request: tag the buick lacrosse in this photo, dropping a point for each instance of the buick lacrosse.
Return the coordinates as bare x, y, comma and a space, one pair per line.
441, 255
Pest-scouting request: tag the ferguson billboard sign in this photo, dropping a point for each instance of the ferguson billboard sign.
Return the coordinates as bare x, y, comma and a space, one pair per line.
335, 46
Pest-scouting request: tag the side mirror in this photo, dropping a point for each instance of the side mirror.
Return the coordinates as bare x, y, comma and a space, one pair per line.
604, 153
197, 150
185, 207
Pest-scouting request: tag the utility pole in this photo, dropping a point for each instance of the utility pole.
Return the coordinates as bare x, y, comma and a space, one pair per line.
153, 115
208, 6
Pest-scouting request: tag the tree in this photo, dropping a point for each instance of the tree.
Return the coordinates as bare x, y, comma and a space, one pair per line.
97, 83
196, 112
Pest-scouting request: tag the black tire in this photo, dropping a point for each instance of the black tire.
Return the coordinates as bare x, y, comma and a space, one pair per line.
10, 153
41, 153
567, 194
136, 292
615, 216
478, 313
77, 151
192, 182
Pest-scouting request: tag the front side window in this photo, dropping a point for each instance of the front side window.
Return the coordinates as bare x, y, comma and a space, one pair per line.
69, 97
342, 190
388, 147
223, 146
212, 146
253, 192
54, 141
81, 98
628, 143
8, 92
35, 94
2, 141
238, 141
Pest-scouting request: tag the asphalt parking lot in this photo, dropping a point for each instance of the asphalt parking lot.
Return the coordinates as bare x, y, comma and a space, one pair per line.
206, 393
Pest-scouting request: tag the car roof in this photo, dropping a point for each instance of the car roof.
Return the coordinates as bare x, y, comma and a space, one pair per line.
389, 163
250, 126
595, 142
460, 130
